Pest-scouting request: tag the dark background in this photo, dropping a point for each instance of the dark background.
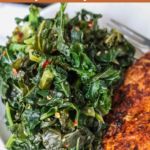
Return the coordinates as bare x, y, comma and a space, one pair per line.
42, 5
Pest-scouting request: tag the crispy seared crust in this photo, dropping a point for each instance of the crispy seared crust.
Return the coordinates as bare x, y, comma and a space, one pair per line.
130, 119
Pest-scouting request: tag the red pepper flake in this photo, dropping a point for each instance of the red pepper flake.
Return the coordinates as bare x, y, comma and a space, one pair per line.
90, 24
45, 64
20, 36
14, 71
75, 123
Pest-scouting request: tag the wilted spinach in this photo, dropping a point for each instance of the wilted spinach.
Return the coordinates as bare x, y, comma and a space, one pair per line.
57, 80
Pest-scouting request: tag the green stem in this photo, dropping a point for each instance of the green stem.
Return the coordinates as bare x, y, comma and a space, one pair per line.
77, 117
8, 57
30, 91
17, 88
78, 144
39, 35
10, 141
103, 74
8, 115
48, 114
99, 117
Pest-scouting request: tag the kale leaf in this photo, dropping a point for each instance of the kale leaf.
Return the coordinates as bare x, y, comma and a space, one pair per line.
57, 79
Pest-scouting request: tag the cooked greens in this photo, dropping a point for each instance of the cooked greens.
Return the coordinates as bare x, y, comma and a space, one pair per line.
57, 78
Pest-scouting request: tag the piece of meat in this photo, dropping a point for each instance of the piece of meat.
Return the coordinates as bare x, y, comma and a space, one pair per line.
129, 120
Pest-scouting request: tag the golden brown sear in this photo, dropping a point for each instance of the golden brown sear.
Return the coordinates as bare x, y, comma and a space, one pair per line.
129, 121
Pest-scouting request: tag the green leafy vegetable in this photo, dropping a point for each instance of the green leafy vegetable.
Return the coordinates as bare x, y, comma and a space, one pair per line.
57, 80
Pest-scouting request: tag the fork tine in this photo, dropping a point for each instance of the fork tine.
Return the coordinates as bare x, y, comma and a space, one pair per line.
132, 31
132, 39
125, 32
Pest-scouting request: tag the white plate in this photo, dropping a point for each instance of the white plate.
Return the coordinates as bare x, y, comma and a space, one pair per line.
134, 15
7, 14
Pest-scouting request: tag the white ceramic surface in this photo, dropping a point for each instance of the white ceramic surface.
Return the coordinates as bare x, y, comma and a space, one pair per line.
7, 14
134, 15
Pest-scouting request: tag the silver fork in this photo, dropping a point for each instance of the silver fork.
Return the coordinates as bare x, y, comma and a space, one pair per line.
141, 43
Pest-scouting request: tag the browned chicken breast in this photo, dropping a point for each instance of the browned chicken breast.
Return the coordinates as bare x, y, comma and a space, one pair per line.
130, 117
